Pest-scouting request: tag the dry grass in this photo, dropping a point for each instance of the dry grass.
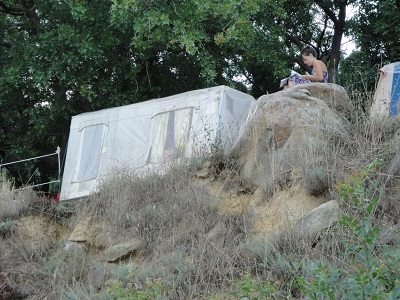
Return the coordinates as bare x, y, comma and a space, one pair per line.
188, 243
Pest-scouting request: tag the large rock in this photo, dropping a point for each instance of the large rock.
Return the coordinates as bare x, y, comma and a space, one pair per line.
289, 129
99, 273
335, 96
318, 219
87, 231
121, 251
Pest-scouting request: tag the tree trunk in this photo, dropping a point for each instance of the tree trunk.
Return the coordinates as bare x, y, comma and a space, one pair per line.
339, 22
336, 43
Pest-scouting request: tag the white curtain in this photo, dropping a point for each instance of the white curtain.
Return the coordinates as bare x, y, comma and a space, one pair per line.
159, 136
170, 135
182, 124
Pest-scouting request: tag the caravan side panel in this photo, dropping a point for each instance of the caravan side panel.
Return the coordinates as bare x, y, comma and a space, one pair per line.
234, 111
88, 140
130, 138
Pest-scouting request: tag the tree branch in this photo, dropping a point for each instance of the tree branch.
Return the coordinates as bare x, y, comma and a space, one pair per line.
29, 8
26, 7
10, 10
5, 44
322, 4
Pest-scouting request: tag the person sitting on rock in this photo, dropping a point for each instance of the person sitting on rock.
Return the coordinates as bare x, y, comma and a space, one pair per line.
319, 71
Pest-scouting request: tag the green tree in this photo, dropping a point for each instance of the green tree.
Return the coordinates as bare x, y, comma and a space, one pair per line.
320, 24
223, 42
76, 62
376, 30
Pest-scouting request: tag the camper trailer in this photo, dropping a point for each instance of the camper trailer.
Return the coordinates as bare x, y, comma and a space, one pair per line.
149, 135
387, 95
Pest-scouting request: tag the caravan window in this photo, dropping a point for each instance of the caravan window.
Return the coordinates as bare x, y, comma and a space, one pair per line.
90, 147
170, 135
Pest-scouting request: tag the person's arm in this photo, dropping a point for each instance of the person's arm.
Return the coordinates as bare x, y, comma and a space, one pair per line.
319, 72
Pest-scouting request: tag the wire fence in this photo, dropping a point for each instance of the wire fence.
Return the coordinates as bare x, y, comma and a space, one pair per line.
57, 153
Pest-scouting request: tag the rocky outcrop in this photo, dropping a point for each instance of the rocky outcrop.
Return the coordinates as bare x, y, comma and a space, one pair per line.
289, 129
87, 230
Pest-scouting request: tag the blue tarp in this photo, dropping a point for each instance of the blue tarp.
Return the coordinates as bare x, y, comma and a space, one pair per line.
395, 91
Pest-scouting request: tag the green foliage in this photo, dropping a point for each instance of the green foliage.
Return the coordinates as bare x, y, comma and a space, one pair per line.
375, 26
358, 77
77, 63
249, 288
218, 40
323, 284
370, 271
152, 290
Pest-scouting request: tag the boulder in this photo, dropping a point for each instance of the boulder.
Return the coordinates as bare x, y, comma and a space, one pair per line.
100, 272
75, 246
335, 96
87, 231
121, 251
318, 219
288, 129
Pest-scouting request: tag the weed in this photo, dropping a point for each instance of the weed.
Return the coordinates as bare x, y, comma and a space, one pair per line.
253, 289
153, 289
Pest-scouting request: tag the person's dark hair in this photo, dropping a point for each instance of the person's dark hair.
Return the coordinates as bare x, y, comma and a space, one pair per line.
308, 50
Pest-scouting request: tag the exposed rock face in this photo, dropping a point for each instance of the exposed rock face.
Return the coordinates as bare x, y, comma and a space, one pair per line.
283, 210
288, 129
37, 231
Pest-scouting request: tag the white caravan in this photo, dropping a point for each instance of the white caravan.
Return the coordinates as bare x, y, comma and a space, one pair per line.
387, 94
147, 135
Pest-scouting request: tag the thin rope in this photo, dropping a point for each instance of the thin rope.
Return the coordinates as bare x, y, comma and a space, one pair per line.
58, 151
35, 185
28, 159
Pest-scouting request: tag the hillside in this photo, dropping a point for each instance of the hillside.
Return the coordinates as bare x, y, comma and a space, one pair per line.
305, 206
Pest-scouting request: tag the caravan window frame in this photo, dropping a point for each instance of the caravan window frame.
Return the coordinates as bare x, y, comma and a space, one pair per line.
77, 175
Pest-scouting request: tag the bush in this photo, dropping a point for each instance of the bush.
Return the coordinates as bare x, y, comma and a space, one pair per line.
369, 270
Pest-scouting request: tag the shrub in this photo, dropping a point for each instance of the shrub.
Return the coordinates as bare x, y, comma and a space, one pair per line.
370, 271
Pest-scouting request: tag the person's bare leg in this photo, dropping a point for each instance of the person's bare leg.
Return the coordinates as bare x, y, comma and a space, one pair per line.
288, 85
